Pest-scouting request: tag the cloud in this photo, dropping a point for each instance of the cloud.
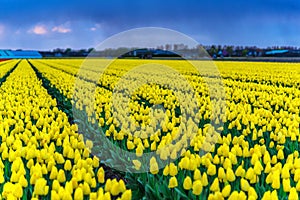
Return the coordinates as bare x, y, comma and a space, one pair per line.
251, 22
39, 30
61, 29
95, 27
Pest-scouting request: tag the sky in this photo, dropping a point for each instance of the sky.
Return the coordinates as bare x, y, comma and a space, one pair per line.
77, 24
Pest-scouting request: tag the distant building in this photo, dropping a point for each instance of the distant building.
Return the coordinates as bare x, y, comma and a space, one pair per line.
149, 54
277, 52
11, 54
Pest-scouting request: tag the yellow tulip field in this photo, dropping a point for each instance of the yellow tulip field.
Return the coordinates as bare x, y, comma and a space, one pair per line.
197, 149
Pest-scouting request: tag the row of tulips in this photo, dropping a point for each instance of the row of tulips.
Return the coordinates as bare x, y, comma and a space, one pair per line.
255, 155
41, 153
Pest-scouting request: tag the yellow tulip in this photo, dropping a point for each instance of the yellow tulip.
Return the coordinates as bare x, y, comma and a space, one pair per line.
204, 179
54, 195
240, 172
14, 177
139, 150
93, 195
127, 195
61, 177
86, 189
55, 185
234, 195
252, 193
230, 175
276, 180
101, 175
197, 174
88, 178
221, 173
187, 183
22, 181
173, 169
227, 164
41, 187
122, 186
184, 163
18, 190
250, 174
258, 168
66, 195
280, 154
286, 184
274, 195
267, 157
68, 165
130, 145
164, 154
153, 146
216, 160
226, 191
298, 186
293, 194
89, 144
211, 170
245, 185
166, 170
137, 164
197, 187
173, 182
153, 166
215, 185
1, 177
268, 168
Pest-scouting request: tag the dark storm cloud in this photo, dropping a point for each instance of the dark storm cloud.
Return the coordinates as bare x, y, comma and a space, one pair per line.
256, 22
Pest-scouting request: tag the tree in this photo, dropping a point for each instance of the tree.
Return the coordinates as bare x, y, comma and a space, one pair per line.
244, 52
212, 50
58, 50
90, 50
68, 51
229, 50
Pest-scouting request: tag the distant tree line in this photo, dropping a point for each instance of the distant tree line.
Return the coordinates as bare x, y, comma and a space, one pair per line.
214, 51
68, 52
253, 51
